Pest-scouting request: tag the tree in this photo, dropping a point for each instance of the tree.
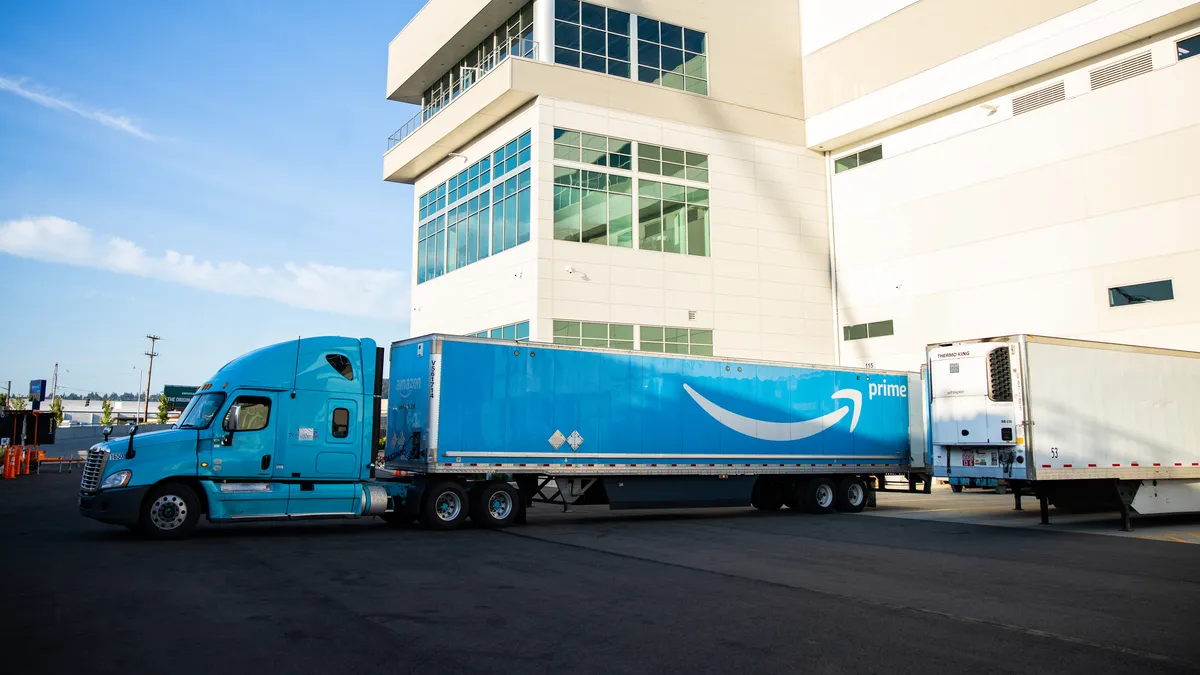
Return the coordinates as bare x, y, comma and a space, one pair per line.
57, 409
106, 412
16, 402
162, 409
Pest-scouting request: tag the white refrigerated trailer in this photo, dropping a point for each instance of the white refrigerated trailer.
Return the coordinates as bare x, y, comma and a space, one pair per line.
1085, 424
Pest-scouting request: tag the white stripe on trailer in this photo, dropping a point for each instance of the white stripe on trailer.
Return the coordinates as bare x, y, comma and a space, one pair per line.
600, 455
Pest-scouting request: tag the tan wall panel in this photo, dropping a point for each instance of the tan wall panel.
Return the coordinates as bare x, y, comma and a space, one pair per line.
917, 38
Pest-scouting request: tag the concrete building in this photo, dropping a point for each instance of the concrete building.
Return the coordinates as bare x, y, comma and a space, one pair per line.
803, 180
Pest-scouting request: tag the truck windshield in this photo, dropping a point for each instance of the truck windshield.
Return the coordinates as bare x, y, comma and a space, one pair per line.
201, 410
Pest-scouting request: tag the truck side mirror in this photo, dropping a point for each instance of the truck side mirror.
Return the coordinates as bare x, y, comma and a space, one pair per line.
231, 418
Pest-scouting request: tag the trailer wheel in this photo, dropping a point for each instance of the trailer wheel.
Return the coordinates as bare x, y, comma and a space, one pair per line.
170, 511
851, 495
956, 488
817, 495
496, 504
444, 506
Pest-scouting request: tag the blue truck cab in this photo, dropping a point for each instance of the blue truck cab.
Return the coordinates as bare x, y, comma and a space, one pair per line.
283, 432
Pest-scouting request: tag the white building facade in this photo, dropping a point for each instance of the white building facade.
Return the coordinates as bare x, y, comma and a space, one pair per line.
791, 180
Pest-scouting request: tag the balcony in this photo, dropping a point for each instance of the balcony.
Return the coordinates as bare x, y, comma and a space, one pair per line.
489, 99
517, 49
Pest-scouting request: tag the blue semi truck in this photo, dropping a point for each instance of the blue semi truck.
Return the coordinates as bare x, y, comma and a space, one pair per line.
482, 429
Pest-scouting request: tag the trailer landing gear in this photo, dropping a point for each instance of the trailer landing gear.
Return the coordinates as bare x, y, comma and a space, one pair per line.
1045, 503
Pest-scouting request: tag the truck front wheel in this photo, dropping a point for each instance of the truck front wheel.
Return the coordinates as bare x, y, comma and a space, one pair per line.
170, 511
496, 504
444, 506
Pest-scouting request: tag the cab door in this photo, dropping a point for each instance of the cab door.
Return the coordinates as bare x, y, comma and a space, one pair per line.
242, 453
322, 455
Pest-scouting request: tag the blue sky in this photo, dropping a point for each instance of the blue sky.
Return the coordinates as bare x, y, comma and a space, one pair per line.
208, 171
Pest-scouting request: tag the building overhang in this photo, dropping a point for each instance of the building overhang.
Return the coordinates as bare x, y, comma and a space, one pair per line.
982, 74
438, 37
516, 82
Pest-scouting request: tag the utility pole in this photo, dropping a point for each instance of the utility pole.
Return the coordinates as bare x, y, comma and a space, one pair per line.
150, 372
54, 383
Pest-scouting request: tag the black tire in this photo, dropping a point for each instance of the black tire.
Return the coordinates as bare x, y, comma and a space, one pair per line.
817, 495
398, 518
170, 511
767, 494
444, 506
496, 504
956, 488
851, 495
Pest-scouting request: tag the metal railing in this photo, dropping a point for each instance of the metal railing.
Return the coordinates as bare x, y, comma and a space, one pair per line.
468, 76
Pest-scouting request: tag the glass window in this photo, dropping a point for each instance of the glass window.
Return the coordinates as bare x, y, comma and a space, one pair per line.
1188, 48
672, 162
665, 339
672, 56
857, 159
590, 334
592, 37
567, 217
595, 217
1154, 291
856, 332
880, 329
341, 423
248, 413
574, 146
673, 218
514, 331
341, 364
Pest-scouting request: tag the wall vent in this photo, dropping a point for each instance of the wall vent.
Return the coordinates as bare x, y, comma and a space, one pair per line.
1036, 99
691, 315
1138, 64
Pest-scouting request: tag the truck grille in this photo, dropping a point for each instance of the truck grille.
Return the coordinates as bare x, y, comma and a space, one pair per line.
93, 470
999, 375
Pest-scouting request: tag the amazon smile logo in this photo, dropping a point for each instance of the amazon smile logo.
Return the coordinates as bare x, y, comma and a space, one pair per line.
781, 431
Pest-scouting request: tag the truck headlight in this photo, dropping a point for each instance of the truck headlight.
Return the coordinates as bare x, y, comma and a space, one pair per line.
117, 479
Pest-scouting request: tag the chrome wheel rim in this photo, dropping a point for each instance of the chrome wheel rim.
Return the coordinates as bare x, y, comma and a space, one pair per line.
824, 496
855, 494
500, 505
168, 512
448, 506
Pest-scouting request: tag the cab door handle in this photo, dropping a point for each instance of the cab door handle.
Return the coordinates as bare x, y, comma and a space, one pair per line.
266, 462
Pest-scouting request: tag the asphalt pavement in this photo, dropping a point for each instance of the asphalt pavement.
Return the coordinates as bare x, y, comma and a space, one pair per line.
592, 591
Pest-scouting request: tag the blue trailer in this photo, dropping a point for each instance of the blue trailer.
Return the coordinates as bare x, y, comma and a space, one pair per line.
481, 429
639, 430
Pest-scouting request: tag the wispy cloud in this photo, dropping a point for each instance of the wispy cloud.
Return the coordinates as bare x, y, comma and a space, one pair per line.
48, 100
373, 293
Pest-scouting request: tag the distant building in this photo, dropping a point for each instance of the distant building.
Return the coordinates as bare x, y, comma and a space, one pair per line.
806, 180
